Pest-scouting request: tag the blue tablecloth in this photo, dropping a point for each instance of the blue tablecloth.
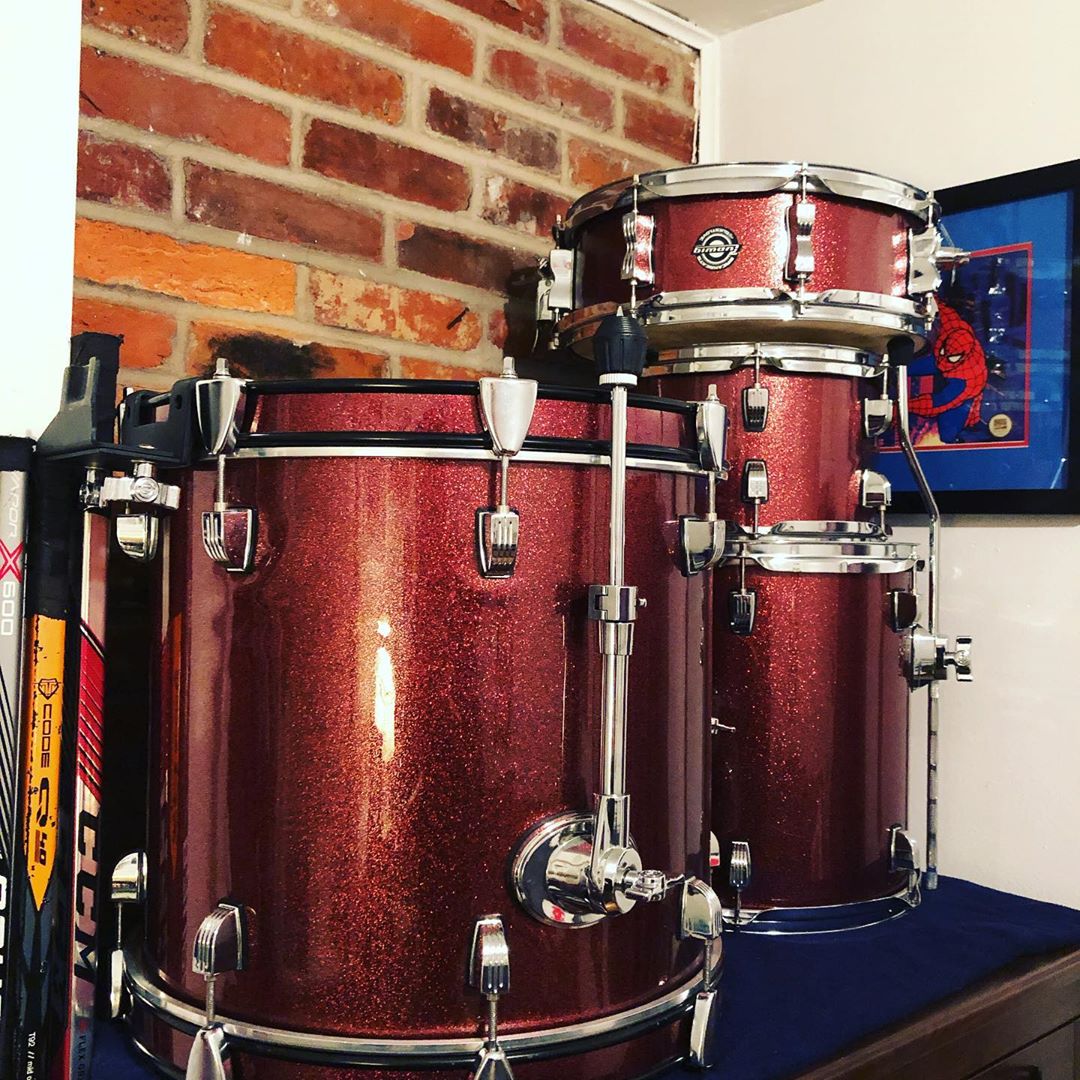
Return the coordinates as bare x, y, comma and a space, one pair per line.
791, 1003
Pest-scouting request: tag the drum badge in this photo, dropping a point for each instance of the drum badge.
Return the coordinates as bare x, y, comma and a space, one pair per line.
717, 248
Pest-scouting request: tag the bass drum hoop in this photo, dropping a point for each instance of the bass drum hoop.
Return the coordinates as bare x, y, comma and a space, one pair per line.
757, 178
425, 1053
794, 359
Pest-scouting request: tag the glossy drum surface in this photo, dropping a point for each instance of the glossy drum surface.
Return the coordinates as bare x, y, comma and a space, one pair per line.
813, 444
814, 773
857, 292
352, 739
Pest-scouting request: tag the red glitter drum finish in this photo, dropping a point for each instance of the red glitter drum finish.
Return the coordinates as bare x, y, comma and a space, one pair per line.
814, 773
351, 739
861, 248
813, 445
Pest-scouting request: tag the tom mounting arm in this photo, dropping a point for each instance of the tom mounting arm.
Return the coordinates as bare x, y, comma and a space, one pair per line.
929, 656
575, 869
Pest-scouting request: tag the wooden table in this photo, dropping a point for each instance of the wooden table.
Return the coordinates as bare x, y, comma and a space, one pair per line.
1022, 1024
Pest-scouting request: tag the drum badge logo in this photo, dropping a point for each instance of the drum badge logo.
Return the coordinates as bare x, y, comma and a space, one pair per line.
717, 248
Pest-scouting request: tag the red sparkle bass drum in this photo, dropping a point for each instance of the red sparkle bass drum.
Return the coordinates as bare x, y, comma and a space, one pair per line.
362, 723
750, 252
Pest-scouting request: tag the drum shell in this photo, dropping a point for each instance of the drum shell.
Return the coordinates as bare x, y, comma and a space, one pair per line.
815, 772
367, 859
857, 247
813, 444
861, 265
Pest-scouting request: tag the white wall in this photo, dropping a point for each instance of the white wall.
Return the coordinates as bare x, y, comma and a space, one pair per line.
942, 93
39, 86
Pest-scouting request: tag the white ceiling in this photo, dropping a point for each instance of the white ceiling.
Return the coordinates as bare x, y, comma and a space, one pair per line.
720, 16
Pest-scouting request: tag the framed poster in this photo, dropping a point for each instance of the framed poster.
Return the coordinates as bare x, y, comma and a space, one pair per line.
994, 395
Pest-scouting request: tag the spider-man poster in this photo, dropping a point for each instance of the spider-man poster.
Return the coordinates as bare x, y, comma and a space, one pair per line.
990, 394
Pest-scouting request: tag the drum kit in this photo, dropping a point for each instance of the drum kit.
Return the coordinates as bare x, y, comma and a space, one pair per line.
419, 648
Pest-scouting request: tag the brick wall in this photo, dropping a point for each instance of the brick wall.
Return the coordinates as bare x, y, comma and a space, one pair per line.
345, 187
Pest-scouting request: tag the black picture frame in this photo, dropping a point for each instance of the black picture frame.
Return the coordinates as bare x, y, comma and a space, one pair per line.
986, 194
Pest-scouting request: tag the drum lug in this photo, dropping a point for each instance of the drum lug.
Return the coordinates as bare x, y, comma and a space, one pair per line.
714, 844
228, 532
701, 541
506, 407
801, 217
712, 432
555, 291
755, 483
875, 493
740, 870
929, 658
127, 886
877, 416
638, 231
903, 851
702, 918
220, 946
755, 407
742, 611
489, 972
903, 609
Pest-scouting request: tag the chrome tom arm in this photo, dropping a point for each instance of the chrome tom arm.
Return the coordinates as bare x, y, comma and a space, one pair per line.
575, 869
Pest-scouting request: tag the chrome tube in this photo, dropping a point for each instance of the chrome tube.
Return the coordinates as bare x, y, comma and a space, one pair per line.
930, 877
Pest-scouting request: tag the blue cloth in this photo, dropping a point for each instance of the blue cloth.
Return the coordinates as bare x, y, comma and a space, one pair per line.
792, 1003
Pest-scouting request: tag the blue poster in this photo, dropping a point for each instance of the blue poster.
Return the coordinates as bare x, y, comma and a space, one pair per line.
990, 394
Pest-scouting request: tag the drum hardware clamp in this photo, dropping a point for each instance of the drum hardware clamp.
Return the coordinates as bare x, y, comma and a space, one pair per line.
506, 408
127, 886
929, 656
219, 947
143, 499
701, 539
575, 869
489, 972
702, 919
228, 532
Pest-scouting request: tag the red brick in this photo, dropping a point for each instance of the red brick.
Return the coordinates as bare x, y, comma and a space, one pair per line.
148, 335
300, 65
118, 255
592, 166
413, 367
648, 122
498, 329
156, 22
442, 253
231, 201
371, 161
690, 76
402, 26
555, 87
521, 206
183, 108
389, 311
490, 129
121, 174
528, 17
268, 352
623, 47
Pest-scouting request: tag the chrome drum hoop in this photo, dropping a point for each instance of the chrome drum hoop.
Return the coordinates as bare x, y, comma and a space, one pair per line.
875, 311
838, 548
793, 359
826, 918
758, 178
354, 1051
